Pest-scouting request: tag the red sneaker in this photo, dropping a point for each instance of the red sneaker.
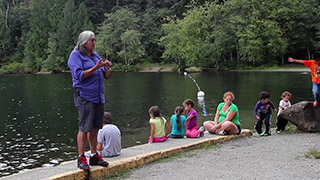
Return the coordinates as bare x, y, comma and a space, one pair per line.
82, 163
97, 160
315, 103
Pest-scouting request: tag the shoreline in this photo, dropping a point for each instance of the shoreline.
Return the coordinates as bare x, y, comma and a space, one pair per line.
275, 70
160, 69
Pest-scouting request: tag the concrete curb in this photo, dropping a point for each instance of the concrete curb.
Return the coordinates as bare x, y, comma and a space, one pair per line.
139, 160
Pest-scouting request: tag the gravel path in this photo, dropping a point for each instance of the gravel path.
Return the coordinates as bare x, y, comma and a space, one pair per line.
273, 157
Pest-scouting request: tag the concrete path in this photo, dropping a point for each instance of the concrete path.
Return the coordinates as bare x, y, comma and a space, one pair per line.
276, 157
130, 158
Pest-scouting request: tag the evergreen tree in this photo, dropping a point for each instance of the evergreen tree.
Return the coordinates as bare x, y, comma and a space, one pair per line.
37, 42
71, 24
19, 28
4, 39
82, 20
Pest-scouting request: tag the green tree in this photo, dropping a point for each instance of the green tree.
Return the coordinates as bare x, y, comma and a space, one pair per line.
155, 15
192, 38
316, 42
115, 25
132, 50
171, 41
82, 20
19, 28
37, 41
4, 38
63, 40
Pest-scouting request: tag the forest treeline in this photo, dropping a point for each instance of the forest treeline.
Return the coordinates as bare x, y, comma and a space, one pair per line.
38, 35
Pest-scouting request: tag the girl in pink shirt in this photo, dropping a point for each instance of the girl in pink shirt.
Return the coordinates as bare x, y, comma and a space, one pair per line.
192, 120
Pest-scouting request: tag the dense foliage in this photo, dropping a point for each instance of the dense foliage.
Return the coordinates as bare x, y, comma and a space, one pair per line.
37, 35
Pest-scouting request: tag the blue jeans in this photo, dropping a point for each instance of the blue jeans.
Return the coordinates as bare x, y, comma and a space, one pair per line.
315, 90
267, 122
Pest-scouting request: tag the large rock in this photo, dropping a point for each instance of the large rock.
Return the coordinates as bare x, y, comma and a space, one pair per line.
304, 116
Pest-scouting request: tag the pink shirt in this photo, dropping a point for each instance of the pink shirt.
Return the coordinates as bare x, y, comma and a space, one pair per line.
194, 121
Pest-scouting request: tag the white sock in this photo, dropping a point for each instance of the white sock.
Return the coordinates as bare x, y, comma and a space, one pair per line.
92, 154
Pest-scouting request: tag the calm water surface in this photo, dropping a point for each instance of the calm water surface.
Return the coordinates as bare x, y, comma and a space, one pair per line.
39, 120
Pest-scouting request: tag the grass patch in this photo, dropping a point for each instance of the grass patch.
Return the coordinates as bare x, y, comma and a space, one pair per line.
14, 67
161, 65
313, 153
117, 175
193, 69
190, 153
125, 68
208, 147
291, 128
180, 155
275, 67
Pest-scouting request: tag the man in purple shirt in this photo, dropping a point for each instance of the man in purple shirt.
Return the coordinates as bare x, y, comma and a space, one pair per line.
88, 74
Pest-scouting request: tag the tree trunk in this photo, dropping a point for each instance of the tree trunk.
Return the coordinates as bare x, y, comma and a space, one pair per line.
125, 54
7, 14
231, 59
238, 54
217, 65
3, 47
308, 51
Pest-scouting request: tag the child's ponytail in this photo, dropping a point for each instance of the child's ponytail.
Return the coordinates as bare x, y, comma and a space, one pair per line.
178, 111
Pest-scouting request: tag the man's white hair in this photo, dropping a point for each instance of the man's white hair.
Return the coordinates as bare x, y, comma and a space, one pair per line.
82, 39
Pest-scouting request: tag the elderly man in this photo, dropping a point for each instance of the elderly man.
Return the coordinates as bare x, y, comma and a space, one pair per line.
88, 74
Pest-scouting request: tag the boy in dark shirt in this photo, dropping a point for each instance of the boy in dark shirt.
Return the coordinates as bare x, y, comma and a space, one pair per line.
263, 111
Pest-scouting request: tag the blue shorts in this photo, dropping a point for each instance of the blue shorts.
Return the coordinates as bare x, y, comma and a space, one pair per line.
90, 114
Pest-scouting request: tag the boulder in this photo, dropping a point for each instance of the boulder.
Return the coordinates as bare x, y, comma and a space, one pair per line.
304, 116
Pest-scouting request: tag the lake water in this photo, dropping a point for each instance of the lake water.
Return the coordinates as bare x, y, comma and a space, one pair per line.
39, 120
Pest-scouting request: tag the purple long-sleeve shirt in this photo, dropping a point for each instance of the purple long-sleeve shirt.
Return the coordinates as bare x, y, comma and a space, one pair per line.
92, 87
260, 106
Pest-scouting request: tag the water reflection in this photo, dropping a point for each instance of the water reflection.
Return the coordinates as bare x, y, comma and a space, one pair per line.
39, 120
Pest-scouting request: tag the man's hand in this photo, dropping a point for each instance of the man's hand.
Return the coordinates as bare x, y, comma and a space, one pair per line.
101, 63
108, 63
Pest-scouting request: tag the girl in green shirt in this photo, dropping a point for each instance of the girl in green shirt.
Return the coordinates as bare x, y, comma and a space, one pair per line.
159, 126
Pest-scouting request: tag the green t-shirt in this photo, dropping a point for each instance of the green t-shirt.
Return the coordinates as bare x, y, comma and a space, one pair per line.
223, 115
159, 124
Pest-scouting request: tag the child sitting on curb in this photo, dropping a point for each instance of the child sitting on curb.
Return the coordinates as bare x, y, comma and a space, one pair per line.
159, 126
177, 123
109, 138
192, 120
